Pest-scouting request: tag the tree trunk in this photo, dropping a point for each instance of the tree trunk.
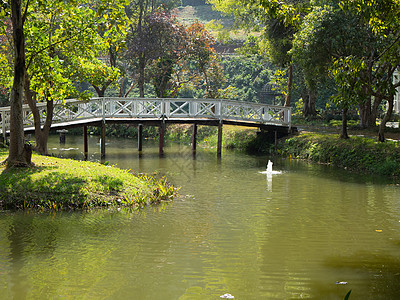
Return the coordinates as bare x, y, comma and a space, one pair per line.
365, 113
142, 65
41, 134
208, 92
344, 134
289, 86
374, 111
130, 89
19, 153
122, 87
386, 118
368, 112
100, 91
309, 104
142, 58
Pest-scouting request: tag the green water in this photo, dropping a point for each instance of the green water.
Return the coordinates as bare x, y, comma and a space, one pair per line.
234, 230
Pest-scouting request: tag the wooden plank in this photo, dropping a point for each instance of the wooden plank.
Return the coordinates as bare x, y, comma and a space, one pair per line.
85, 142
194, 137
219, 144
140, 137
103, 140
162, 136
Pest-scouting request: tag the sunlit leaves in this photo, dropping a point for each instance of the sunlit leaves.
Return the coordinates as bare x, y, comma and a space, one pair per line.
286, 13
6, 56
382, 15
59, 31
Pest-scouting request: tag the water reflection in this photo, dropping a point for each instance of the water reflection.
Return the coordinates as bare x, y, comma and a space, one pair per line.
292, 235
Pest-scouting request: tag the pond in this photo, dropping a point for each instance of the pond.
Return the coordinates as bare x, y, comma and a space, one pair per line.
305, 232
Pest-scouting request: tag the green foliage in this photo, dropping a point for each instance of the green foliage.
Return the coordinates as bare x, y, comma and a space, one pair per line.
248, 75
238, 138
357, 153
121, 130
298, 108
183, 132
60, 45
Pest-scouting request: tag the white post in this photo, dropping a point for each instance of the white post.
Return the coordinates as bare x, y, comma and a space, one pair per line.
3, 124
167, 108
193, 107
102, 107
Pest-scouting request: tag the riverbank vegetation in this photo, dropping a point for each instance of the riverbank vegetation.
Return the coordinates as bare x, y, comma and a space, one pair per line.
64, 184
234, 137
358, 153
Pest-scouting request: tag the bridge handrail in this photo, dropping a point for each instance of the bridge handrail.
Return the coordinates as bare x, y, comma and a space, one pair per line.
159, 108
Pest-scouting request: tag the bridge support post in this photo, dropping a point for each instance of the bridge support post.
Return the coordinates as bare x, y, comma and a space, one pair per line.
103, 139
62, 133
85, 142
162, 135
219, 144
194, 137
140, 137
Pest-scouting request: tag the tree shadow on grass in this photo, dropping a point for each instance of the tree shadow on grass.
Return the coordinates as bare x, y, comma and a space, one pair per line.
20, 188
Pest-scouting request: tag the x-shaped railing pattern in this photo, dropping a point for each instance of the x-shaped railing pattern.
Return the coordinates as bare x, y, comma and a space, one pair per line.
155, 108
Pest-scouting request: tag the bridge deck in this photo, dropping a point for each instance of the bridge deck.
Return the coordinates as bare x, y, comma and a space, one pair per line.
156, 122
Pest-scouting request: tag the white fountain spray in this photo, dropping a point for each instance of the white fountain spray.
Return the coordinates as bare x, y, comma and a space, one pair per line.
269, 170
269, 166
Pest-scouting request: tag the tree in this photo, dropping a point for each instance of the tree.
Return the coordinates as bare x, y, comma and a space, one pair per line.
99, 74
358, 43
6, 59
103, 71
204, 58
382, 16
327, 34
247, 74
279, 20
171, 56
19, 152
169, 46
58, 36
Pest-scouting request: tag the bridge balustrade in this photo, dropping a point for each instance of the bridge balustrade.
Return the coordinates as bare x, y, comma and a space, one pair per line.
155, 108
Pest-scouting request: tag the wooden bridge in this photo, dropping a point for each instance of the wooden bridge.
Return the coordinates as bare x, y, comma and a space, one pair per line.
157, 112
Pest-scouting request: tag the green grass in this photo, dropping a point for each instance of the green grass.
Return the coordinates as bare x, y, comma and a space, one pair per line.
202, 13
58, 184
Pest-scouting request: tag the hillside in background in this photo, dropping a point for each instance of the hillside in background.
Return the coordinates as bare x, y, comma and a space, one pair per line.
221, 26
248, 75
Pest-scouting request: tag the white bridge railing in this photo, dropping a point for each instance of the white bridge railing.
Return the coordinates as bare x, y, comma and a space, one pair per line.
157, 108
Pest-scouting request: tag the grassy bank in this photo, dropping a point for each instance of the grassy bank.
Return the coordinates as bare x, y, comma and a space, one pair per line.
68, 184
360, 154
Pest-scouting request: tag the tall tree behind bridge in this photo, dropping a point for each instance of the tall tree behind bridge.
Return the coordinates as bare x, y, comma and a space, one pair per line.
279, 21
